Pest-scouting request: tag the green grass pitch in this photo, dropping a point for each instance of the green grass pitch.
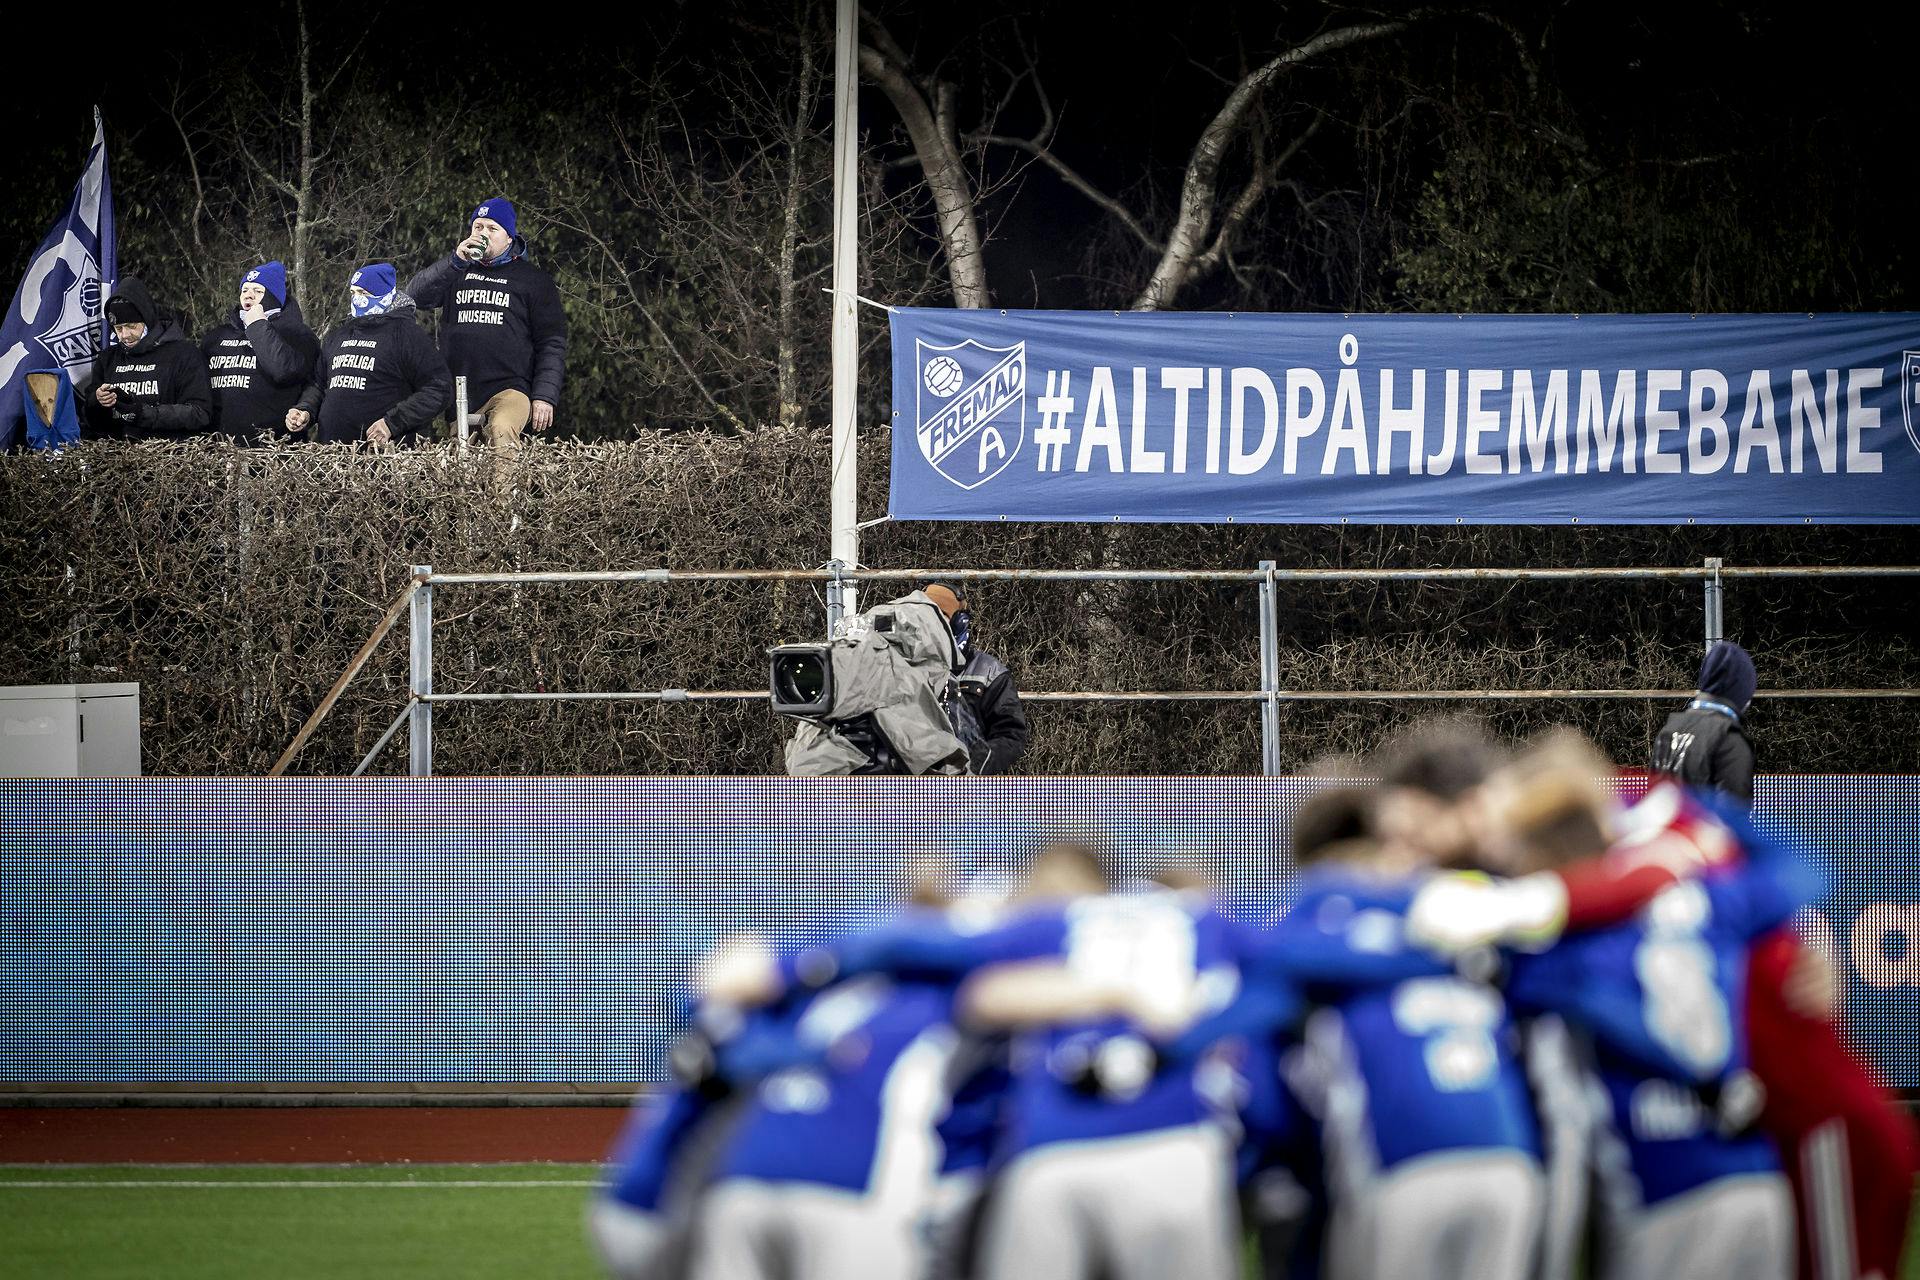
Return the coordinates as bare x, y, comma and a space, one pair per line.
300, 1222
309, 1222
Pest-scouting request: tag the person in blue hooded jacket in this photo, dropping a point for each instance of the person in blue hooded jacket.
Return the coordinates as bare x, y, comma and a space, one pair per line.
259, 358
501, 325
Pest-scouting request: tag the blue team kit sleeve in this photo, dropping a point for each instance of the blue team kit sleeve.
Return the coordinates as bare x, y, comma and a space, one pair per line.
924, 948
643, 1160
767, 1043
1261, 1011
1342, 931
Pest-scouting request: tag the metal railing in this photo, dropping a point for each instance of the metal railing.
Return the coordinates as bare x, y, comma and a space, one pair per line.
417, 602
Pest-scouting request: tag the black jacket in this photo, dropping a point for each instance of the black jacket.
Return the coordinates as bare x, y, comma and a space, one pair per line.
258, 371
161, 379
987, 715
1704, 746
500, 326
374, 367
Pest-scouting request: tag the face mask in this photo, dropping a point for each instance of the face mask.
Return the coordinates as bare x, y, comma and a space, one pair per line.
365, 304
962, 623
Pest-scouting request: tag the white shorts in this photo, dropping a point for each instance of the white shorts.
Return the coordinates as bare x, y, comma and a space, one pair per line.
632, 1244
745, 1230
1145, 1207
1738, 1228
946, 1223
1472, 1213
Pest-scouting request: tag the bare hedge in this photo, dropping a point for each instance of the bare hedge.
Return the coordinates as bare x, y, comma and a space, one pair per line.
235, 585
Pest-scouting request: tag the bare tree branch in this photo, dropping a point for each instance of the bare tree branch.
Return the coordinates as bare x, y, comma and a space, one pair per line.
193, 166
1044, 154
1258, 185
930, 126
786, 392
267, 175
1197, 194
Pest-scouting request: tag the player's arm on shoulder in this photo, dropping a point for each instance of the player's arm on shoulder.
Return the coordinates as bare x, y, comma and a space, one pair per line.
1034, 993
1777, 877
1452, 913
1261, 1009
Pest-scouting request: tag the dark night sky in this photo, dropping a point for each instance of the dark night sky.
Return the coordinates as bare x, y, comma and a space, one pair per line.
1646, 76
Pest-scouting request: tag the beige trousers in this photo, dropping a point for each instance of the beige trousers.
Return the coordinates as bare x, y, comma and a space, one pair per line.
502, 418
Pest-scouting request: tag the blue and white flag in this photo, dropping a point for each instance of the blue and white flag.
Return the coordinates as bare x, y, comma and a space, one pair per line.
56, 319
1405, 419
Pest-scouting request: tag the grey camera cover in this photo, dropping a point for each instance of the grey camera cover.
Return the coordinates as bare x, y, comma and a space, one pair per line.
894, 661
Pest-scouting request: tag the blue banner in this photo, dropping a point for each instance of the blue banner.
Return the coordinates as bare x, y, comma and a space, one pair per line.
1403, 419
56, 320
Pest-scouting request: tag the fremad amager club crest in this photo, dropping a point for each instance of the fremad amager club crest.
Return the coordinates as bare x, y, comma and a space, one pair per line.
1910, 394
72, 336
970, 408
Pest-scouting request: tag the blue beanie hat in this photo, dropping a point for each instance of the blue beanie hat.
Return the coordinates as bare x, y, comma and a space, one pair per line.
1727, 674
271, 276
500, 209
377, 278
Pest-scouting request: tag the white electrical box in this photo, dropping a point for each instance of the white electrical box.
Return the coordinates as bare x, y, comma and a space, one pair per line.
70, 731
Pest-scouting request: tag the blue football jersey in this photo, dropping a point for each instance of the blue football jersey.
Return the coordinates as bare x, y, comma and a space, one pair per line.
1153, 942
644, 1160
1661, 1141
979, 1077
1665, 990
667, 1149
858, 1107
1663, 997
1399, 1070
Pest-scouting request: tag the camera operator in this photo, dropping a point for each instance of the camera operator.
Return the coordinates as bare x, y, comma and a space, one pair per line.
987, 715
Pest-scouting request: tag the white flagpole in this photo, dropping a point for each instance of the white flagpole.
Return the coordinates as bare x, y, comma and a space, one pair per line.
844, 490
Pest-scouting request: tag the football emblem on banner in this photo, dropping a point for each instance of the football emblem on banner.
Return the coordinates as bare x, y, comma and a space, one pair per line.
72, 337
1910, 394
970, 404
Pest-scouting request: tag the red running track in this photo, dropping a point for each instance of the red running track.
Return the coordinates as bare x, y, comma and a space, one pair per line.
305, 1135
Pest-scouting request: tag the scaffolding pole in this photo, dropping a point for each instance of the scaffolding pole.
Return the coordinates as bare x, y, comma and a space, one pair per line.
1269, 672
844, 551
1715, 626
420, 675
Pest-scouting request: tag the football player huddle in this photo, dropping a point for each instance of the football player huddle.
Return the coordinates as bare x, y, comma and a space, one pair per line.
1494, 1025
